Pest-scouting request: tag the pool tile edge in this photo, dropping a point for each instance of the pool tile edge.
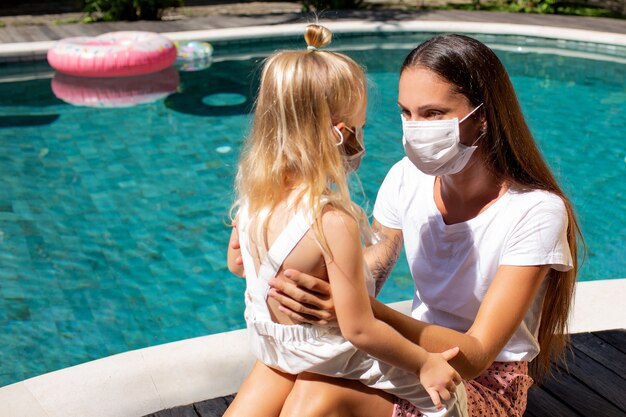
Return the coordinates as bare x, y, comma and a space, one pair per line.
28, 51
599, 305
18, 400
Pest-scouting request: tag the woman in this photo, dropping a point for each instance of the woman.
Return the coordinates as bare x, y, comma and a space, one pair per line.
490, 238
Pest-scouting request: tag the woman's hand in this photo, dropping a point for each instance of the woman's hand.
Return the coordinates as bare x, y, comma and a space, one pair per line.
438, 377
304, 298
307, 299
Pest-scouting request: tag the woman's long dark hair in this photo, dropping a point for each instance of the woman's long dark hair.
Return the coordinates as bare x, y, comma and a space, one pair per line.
511, 154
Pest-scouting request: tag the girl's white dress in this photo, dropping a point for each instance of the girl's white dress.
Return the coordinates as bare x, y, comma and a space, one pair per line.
320, 349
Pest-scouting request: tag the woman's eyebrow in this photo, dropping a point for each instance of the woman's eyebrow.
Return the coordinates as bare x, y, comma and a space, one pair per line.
430, 106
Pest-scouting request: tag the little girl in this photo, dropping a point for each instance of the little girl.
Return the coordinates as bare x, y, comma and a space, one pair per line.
295, 211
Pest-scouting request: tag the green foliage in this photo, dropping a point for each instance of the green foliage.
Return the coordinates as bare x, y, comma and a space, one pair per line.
109, 10
320, 5
532, 6
66, 21
575, 7
570, 7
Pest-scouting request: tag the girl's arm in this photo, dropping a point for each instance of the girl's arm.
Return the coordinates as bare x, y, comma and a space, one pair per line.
356, 320
233, 257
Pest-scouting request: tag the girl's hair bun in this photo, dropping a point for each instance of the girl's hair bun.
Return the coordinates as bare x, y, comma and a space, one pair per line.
317, 36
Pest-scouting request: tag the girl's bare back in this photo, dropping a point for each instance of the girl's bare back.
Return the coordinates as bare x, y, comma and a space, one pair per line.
306, 256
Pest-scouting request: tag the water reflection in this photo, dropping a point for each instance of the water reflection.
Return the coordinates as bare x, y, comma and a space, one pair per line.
28, 120
115, 92
227, 89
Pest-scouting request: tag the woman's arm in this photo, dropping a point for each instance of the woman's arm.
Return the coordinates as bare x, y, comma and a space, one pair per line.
501, 312
383, 255
307, 299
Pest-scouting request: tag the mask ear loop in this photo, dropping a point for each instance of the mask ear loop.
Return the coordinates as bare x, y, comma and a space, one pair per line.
470, 113
340, 135
482, 130
359, 139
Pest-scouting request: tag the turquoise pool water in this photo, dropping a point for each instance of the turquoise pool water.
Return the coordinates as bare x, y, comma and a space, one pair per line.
113, 220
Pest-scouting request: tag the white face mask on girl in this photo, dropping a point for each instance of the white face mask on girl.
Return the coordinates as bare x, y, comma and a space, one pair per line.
435, 146
352, 154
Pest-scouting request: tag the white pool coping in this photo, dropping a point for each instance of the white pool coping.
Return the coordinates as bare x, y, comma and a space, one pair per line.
349, 26
23, 51
140, 382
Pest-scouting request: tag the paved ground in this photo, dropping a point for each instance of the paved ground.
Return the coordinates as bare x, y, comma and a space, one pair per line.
28, 28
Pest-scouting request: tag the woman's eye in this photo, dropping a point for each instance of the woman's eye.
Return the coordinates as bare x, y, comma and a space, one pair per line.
432, 114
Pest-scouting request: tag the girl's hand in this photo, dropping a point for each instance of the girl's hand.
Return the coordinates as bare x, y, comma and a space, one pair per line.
438, 377
304, 298
233, 258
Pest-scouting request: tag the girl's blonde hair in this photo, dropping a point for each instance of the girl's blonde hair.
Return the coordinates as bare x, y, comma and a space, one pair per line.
292, 147
512, 155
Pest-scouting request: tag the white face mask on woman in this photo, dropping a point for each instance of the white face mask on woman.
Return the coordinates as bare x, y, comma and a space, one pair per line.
435, 147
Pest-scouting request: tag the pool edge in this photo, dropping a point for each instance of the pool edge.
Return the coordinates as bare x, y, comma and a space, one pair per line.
139, 382
30, 51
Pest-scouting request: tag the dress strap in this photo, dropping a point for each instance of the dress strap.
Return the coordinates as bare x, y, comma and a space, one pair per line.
283, 245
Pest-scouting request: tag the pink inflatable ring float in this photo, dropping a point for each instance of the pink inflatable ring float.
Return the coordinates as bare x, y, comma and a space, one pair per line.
114, 54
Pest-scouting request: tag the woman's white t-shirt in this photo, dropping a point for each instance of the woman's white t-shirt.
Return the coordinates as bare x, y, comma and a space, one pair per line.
453, 265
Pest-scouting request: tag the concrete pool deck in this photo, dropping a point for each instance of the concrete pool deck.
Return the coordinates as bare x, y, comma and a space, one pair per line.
144, 381
139, 382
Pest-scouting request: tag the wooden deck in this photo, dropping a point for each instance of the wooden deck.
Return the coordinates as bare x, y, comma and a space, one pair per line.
594, 386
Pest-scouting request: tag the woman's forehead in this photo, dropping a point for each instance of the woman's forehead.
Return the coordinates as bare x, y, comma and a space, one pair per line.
421, 85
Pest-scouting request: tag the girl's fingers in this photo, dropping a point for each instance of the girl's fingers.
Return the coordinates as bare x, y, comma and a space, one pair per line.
457, 378
450, 353
234, 241
444, 394
235, 244
434, 396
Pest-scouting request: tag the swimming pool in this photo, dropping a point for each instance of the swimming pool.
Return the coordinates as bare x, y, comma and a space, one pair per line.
113, 221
